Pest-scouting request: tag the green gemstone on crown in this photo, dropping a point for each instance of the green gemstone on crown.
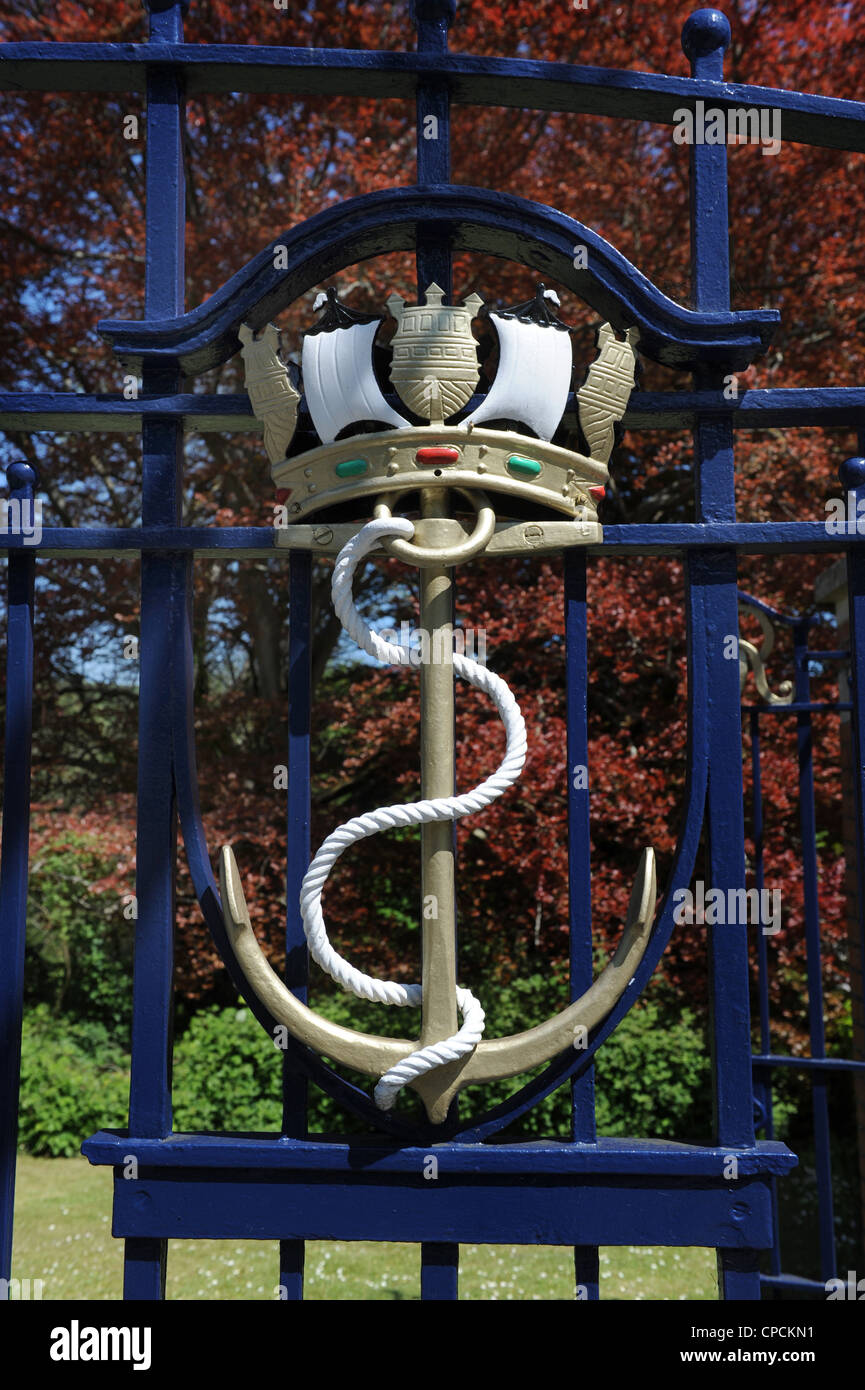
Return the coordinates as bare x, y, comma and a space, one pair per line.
351, 468
522, 467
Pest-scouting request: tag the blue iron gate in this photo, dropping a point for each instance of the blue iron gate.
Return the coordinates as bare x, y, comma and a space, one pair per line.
293, 1187
797, 703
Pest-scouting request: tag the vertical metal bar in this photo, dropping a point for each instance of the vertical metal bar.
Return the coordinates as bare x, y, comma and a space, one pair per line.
298, 816
292, 1257
586, 1258
294, 1083
705, 37
741, 1275
763, 1083
150, 1091
759, 880
811, 895
439, 1266
143, 1269
727, 943
162, 443
14, 861
852, 741
433, 252
579, 829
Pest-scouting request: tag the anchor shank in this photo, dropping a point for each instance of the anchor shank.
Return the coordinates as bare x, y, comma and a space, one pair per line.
439, 1019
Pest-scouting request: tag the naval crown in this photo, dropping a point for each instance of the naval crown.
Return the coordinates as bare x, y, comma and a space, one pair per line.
503, 444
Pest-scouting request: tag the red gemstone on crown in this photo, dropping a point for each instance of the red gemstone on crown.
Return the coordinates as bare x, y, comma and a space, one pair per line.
283, 494
598, 492
437, 453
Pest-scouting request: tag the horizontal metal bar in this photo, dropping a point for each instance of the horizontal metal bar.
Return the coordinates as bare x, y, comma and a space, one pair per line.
791, 1281
817, 707
832, 407
766, 1061
821, 407
748, 537
526, 1210
473, 81
70, 412
238, 542
618, 1191
544, 1159
83, 543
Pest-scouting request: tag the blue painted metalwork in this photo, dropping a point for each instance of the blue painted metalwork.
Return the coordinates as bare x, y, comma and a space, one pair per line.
294, 1081
473, 81
472, 219
293, 1187
15, 850
161, 501
818, 1067
586, 1257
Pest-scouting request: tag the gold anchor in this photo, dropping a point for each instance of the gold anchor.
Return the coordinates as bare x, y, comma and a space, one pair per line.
437, 337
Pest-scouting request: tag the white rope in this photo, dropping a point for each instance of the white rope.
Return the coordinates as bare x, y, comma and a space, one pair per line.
413, 813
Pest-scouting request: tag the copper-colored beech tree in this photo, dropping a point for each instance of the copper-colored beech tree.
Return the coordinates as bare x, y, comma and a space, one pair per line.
71, 227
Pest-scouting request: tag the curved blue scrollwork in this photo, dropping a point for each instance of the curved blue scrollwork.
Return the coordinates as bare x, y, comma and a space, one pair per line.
473, 219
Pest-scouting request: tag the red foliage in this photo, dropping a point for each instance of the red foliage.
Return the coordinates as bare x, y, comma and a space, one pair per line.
71, 234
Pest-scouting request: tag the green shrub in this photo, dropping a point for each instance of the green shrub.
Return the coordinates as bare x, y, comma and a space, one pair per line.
652, 1075
227, 1074
79, 944
74, 1080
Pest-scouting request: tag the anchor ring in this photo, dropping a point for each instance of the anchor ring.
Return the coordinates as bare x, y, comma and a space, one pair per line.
426, 556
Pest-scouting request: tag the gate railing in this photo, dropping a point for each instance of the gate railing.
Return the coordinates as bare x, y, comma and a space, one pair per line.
292, 1187
818, 1068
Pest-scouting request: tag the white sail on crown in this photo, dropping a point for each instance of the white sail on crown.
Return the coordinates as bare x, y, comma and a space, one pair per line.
339, 383
533, 377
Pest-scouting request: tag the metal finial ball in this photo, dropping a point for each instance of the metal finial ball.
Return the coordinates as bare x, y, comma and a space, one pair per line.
705, 31
852, 473
20, 475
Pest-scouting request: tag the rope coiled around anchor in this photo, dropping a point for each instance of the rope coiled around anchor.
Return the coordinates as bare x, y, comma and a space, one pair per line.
412, 813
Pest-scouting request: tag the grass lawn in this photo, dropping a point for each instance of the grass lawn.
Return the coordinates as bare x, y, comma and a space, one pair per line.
63, 1237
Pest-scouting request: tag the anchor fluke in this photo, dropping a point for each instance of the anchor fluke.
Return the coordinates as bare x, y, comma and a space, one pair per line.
500, 1057
493, 1058
364, 1052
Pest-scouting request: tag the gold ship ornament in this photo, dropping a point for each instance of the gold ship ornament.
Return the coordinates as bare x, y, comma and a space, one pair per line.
435, 358
499, 455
